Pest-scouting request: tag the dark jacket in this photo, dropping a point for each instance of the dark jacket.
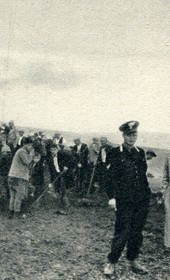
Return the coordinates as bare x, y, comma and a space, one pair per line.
108, 154
82, 156
5, 163
64, 159
37, 173
127, 175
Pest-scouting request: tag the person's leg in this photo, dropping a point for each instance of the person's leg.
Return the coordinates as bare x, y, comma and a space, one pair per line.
122, 229
84, 181
63, 195
13, 183
12, 199
135, 237
167, 226
5, 178
20, 195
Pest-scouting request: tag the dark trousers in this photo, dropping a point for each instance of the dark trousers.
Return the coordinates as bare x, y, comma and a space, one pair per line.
130, 220
81, 180
12, 149
60, 187
102, 176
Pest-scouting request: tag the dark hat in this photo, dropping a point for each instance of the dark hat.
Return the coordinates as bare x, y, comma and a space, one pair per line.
103, 138
57, 133
151, 152
129, 127
76, 138
28, 140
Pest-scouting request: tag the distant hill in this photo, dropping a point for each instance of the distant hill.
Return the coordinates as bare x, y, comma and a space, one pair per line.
145, 139
160, 142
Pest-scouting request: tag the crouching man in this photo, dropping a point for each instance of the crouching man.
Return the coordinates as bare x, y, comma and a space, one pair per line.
18, 177
129, 194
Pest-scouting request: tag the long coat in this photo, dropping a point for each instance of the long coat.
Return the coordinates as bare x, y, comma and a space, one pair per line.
12, 137
64, 159
20, 164
82, 156
166, 187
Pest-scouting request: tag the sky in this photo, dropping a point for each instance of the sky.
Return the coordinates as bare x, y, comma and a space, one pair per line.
85, 65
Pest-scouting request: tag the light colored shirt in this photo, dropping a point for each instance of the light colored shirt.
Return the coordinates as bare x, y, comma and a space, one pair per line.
56, 164
58, 140
103, 154
19, 140
79, 148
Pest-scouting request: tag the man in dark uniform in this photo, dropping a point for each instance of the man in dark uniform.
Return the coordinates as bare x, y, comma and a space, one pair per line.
129, 194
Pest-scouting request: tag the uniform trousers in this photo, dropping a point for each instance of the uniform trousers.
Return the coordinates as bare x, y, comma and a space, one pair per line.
130, 221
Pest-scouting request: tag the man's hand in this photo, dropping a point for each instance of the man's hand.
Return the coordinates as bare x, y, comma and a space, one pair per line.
65, 169
50, 186
108, 166
32, 153
79, 165
112, 203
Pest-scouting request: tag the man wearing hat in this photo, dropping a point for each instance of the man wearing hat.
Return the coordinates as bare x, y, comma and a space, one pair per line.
129, 194
103, 162
18, 177
59, 140
80, 154
150, 154
60, 162
20, 139
12, 137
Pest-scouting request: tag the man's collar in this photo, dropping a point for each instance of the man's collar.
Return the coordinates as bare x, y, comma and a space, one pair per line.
127, 148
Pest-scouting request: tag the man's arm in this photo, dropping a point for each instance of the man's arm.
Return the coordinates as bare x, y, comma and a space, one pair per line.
26, 158
165, 179
113, 179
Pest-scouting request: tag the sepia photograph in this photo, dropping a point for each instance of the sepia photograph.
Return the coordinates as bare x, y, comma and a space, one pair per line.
85, 139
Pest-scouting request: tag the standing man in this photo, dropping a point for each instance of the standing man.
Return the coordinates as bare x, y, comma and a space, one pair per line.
20, 139
18, 177
59, 140
59, 162
150, 154
80, 153
94, 149
12, 137
129, 194
104, 163
166, 197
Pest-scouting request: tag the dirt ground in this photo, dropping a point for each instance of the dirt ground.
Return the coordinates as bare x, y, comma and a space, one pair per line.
49, 246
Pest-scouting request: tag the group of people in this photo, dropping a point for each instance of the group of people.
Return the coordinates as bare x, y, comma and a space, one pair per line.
80, 166
120, 172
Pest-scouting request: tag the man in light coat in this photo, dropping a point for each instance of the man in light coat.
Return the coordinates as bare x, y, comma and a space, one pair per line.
18, 177
166, 195
12, 137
